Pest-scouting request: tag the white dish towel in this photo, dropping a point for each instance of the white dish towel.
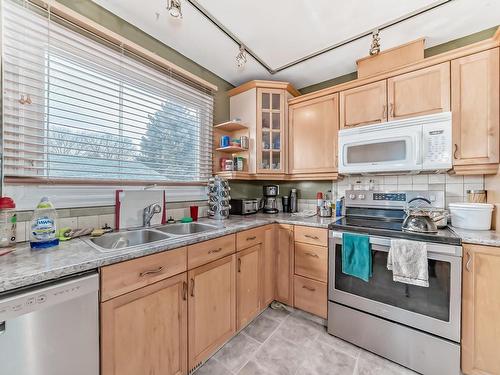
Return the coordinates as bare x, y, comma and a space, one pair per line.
408, 262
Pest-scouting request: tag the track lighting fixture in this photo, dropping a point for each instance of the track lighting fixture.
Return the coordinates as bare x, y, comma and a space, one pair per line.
174, 8
375, 47
241, 58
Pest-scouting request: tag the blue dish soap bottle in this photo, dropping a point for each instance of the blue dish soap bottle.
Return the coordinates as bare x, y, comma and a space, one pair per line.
43, 226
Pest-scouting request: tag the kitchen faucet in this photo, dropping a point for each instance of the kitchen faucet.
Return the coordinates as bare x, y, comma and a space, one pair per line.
148, 213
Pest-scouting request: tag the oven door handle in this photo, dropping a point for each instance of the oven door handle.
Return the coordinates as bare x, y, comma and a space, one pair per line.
374, 241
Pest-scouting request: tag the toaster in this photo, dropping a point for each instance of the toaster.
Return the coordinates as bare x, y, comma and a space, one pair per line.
244, 206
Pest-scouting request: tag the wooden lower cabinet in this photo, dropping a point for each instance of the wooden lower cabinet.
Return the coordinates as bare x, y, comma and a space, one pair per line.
145, 331
284, 264
211, 308
268, 263
480, 310
311, 296
248, 287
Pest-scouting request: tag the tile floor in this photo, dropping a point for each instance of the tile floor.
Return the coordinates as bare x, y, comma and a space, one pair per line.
280, 342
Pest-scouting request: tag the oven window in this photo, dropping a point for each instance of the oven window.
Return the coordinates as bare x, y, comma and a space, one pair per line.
377, 152
433, 301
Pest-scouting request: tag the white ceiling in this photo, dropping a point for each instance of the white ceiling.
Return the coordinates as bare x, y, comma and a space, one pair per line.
281, 31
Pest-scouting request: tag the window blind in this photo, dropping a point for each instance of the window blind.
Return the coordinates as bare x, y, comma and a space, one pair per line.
78, 108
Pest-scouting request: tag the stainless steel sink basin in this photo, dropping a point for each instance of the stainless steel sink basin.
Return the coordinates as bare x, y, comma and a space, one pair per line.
182, 229
121, 240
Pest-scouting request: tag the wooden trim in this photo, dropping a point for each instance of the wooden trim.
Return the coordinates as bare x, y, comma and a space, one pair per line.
45, 181
434, 60
474, 169
391, 58
244, 176
264, 85
99, 30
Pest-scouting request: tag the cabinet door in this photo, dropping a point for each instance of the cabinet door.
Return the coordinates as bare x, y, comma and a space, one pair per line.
271, 107
268, 260
419, 93
475, 108
145, 331
364, 105
480, 307
284, 265
313, 131
248, 284
212, 308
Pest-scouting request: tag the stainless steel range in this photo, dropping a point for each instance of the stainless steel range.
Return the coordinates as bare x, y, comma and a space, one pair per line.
417, 327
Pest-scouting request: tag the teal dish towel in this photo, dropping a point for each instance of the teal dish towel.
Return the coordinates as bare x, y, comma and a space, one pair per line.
356, 256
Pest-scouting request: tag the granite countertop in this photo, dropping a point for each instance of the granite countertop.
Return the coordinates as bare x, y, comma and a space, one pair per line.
479, 237
25, 267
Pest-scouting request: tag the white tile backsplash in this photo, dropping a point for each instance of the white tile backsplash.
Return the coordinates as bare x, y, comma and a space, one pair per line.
455, 187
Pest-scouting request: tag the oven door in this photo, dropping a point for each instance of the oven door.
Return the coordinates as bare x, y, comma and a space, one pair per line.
380, 148
435, 309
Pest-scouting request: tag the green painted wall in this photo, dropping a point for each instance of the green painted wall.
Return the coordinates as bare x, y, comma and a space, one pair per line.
253, 189
114, 23
448, 46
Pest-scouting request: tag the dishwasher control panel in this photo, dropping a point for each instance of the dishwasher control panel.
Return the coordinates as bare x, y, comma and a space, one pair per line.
22, 303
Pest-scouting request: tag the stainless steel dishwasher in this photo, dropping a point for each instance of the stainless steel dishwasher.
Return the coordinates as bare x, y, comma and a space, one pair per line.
51, 329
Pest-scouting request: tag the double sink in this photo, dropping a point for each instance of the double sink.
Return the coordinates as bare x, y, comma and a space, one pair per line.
126, 239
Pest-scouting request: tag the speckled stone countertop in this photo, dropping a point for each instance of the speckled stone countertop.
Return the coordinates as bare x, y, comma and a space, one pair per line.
479, 237
25, 267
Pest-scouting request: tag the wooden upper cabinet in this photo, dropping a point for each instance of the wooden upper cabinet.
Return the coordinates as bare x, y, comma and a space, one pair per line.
475, 108
313, 131
212, 308
480, 307
364, 105
421, 92
284, 264
145, 331
248, 278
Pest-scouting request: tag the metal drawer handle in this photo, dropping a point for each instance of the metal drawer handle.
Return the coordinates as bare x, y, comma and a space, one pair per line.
312, 255
184, 290
251, 238
311, 237
469, 260
239, 264
215, 250
151, 272
192, 287
308, 288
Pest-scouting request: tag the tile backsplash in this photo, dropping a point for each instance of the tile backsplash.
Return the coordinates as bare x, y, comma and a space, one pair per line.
98, 217
455, 187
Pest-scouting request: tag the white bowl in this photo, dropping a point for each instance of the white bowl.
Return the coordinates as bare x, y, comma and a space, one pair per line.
474, 216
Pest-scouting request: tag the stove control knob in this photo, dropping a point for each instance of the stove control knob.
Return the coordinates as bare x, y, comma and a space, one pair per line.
352, 196
361, 196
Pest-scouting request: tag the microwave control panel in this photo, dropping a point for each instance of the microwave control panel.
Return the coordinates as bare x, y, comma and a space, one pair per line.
437, 146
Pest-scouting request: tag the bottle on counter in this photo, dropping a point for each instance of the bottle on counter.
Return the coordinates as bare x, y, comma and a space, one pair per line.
43, 227
8, 222
319, 202
293, 200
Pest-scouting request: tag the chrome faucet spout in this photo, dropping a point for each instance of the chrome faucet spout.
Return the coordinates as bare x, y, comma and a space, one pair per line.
149, 212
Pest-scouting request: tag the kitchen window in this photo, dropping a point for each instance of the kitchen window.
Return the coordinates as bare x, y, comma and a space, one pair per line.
77, 108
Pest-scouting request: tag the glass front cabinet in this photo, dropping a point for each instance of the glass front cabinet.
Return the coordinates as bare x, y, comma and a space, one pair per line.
271, 129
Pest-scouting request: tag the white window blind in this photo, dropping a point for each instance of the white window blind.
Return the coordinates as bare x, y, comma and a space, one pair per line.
78, 108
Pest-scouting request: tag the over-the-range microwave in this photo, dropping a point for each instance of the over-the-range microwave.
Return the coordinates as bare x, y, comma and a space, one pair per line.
411, 145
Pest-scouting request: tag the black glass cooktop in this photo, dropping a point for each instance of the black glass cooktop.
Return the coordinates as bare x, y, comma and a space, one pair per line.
392, 228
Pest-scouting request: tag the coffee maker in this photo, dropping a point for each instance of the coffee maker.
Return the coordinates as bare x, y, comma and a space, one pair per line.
271, 199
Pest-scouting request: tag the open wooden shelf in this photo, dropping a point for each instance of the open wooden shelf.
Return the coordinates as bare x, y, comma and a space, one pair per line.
231, 149
230, 126
235, 175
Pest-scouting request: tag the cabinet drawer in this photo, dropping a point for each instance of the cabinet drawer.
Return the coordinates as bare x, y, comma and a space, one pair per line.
205, 252
310, 296
313, 236
311, 261
125, 277
249, 238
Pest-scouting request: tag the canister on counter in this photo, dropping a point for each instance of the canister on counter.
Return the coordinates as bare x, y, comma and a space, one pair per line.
476, 196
